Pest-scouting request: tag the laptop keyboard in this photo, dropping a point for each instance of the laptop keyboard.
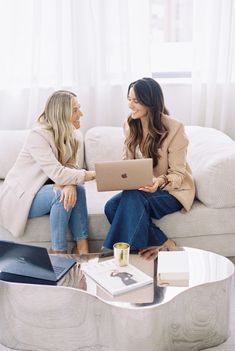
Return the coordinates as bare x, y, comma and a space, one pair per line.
58, 270
61, 265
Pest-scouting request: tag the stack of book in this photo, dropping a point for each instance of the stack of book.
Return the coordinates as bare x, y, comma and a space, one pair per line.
173, 268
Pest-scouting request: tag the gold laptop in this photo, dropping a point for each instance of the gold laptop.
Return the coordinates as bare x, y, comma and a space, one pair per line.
124, 174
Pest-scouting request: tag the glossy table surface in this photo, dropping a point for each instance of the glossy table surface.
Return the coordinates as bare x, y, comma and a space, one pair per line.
204, 266
79, 315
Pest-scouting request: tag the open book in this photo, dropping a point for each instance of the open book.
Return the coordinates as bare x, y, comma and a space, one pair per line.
116, 280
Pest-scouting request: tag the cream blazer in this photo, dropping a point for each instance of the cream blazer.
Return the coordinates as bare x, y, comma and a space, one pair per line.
36, 163
172, 170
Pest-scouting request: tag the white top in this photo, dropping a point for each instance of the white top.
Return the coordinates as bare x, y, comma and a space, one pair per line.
138, 153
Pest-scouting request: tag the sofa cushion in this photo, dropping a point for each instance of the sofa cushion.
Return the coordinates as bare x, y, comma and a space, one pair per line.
200, 227
12, 142
103, 144
211, 155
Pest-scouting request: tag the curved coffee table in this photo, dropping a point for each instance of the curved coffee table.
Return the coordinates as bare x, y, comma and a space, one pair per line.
78, 315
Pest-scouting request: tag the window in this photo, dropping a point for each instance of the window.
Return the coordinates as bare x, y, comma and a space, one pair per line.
171, 38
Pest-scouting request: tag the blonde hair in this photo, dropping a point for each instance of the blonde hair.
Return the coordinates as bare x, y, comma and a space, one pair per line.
56, 117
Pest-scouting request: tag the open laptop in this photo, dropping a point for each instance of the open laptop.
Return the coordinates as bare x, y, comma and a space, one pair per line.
124, 174
31, 264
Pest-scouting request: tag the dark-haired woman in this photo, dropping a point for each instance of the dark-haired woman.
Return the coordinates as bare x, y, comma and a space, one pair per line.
151, 132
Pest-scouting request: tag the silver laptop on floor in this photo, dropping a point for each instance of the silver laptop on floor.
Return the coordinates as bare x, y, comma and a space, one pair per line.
124, 174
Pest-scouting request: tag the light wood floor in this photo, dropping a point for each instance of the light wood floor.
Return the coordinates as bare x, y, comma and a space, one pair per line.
229, 345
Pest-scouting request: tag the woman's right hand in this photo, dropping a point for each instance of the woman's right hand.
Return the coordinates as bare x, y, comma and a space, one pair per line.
151, 188
89, 175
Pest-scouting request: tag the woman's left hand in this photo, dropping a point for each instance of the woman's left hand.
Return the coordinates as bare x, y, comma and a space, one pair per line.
151, 252
68, 196
151, 188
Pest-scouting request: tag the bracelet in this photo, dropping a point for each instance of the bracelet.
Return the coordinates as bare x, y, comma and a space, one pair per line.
166, 181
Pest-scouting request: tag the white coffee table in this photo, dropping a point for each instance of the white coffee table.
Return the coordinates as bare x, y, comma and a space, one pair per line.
78, 315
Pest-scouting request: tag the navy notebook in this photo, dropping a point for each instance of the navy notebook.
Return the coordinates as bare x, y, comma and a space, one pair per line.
31, 264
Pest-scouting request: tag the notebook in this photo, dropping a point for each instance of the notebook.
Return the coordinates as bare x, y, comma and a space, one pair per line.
31, 264
124, 174
173, 268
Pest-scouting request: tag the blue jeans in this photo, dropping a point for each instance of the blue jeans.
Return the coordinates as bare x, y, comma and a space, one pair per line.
130, 213
47, 200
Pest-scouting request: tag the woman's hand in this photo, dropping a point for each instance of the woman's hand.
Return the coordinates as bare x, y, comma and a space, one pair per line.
151, 188
151, 252
68, 196
89, 175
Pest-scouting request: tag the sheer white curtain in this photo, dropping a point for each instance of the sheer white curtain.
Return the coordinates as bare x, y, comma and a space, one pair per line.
93, 47
213, 87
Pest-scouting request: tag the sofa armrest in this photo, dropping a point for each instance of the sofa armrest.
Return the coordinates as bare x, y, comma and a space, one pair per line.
11, 144
211, 155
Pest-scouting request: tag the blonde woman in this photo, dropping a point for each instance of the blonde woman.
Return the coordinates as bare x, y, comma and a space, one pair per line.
46, 180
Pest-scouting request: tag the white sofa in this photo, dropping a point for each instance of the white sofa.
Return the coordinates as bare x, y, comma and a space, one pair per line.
210, 224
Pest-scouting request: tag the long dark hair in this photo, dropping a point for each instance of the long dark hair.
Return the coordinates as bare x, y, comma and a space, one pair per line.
148, 93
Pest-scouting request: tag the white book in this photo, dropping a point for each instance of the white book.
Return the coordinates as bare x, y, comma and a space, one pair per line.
173, 268
114, 279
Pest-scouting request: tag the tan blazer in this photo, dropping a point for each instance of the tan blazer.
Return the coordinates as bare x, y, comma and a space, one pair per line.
172, 170
36, 163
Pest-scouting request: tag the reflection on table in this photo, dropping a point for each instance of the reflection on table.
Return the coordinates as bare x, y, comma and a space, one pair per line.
204, 267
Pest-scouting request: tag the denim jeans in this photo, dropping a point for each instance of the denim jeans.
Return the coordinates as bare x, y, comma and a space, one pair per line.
47, 201
130, 213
